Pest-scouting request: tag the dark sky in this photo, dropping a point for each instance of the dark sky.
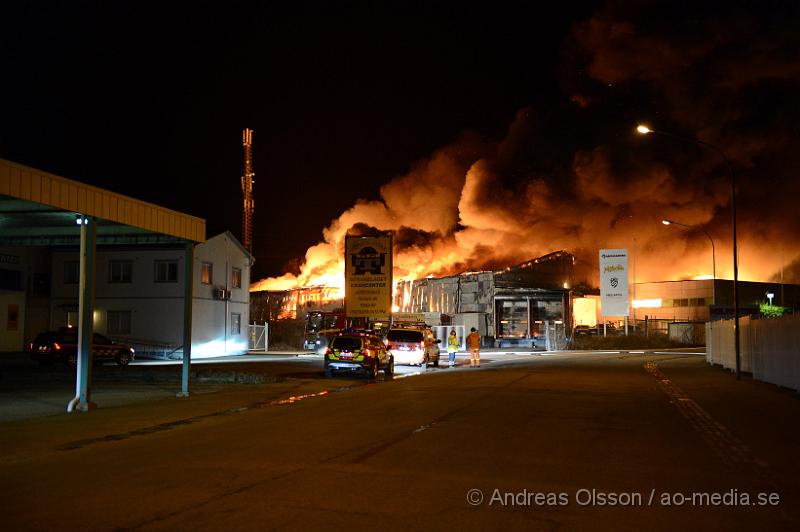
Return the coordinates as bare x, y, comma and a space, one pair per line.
149, 98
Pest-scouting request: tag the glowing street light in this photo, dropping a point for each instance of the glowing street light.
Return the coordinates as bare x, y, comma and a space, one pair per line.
644, 130
713, 256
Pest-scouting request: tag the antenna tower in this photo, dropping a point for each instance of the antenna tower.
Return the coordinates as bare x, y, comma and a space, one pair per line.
247, 191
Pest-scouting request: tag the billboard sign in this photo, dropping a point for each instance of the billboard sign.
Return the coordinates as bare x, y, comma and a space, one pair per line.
614, 282
368, 276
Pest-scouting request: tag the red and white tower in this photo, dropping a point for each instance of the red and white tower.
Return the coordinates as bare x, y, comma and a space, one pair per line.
247, 191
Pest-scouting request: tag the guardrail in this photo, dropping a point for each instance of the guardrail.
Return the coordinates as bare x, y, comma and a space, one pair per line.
153, 349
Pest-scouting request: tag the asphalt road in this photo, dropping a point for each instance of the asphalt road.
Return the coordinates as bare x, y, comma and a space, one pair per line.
578, 441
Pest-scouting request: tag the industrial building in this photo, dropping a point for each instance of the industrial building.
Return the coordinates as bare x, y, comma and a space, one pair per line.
523, 305
706, 299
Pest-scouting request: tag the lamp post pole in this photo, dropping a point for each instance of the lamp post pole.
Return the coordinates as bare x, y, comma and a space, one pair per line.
713, 255
645, 130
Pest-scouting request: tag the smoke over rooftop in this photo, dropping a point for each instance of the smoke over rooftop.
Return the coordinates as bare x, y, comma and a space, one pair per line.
574, 175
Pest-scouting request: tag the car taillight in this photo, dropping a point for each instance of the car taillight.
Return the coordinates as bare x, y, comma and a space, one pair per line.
367, 353
56, 346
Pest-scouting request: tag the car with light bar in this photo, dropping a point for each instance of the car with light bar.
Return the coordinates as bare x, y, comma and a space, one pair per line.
358, 352
62, 346
413, 346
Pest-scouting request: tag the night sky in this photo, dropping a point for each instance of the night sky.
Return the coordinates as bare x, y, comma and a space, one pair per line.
149, 99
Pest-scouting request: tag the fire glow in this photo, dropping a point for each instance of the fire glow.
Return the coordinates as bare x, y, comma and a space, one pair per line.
485, 204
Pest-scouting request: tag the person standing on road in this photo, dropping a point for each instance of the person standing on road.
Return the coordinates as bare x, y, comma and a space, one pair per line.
474, 345
452, 346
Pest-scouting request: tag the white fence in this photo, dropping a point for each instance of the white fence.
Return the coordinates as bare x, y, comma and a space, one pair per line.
769, 348
258, 337
443, 331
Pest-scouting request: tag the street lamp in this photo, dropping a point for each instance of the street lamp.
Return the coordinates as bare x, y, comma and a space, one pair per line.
644, 130
713, 256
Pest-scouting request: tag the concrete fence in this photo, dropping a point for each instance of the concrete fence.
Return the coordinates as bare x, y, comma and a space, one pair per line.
769, 348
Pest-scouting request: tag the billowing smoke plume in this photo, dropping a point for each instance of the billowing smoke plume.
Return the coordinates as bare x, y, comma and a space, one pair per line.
575, 176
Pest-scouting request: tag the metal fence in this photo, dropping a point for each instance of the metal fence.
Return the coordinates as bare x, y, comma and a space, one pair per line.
258, 337
442, 331
555, 335
152, 349
769, 348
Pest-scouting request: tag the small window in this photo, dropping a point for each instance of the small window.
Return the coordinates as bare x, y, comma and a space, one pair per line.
120, 271
119, 321
236, 323
207, 273
166, 271
72, 270
236, 278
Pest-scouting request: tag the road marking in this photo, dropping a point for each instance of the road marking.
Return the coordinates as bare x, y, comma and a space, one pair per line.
727, 447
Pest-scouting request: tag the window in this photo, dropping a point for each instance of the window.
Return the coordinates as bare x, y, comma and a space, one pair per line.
119, 322
404, 335
166, 271
120, 271
207, 273
236, 323
236, 278
71, 272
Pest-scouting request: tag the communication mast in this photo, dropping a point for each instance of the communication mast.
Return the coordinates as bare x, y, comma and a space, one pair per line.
247, 191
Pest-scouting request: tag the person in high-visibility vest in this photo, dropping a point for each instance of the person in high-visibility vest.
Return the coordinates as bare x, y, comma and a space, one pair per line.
452, 347
474, 345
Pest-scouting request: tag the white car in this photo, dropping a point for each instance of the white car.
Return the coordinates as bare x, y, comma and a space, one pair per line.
413, 346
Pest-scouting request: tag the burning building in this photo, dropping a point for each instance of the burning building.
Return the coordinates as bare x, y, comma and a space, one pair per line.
523, 305
273, 305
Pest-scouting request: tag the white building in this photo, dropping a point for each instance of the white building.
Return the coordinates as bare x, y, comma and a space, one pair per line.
139, 296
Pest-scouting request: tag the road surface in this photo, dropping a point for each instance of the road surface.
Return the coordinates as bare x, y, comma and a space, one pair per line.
573, 441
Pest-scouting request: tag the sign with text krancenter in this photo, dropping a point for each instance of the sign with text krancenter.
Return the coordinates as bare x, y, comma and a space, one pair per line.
368, 276
614, 282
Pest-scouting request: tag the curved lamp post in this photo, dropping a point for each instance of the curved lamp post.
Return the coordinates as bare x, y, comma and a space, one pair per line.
713, 255
644, 130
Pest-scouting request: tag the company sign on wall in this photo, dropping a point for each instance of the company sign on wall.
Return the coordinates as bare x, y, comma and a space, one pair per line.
368, 276
614, 282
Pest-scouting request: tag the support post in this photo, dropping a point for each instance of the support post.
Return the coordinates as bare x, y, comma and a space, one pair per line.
188, 285
83, 380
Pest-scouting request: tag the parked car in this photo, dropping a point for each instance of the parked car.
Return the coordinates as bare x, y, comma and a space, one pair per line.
584, 330
413, 345
358, 352
62, 346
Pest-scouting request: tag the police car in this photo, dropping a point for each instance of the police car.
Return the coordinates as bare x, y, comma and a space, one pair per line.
62, 346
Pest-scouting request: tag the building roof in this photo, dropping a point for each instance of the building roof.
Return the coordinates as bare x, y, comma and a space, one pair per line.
39, 208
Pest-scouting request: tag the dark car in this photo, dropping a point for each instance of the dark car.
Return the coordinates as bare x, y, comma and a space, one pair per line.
584, 330
62, 346
358, 352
